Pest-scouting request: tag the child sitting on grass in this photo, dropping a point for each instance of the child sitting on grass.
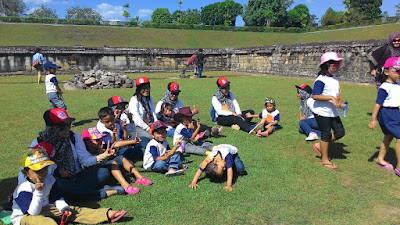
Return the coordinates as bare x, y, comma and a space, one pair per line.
37, 200
269, 119
187, 131
158, 156
122, 117
93, 141
53, 91
166, 115
222, 157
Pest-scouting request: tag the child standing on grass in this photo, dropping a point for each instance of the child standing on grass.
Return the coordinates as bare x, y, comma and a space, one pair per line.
222, 157
37, 200
93, 141
327, 98
53, 91
269, 119
386, 110
158, 156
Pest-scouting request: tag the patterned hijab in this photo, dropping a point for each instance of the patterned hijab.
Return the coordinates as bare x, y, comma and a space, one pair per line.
395, 51
225, 99
166, 99
305, 110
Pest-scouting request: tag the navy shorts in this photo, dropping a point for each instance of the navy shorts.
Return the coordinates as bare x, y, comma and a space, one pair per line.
389, 121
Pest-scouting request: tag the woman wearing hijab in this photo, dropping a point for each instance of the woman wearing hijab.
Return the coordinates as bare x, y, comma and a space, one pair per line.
307, 124
379, 57
227, 110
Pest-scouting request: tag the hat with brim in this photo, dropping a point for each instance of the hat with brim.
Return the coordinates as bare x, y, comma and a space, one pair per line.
49, 64
223, 83
392, 62
36, 159
157, 125
115, 100
59, 115
184, 111
173, 87
141, 81
305, 87
92, 134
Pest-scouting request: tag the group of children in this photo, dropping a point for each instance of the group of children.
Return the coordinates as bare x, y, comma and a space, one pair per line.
115, 140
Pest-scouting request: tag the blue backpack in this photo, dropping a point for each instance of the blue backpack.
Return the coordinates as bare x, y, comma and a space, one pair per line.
212, 114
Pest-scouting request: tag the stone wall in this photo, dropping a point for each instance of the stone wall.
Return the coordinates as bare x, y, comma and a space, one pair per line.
285, 60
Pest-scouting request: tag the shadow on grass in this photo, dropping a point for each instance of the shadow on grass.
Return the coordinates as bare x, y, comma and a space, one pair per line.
82, 122
390, 156
7, 187
338, 151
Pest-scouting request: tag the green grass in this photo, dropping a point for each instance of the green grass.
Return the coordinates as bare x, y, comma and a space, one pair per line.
285, 185
96, 36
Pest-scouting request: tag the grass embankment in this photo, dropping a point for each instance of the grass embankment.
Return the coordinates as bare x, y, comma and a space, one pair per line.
96, 36
285, 185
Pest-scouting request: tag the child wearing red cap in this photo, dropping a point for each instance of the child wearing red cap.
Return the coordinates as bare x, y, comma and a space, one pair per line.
93, 141
386, 111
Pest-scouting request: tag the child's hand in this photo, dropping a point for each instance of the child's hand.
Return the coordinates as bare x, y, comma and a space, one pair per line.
198, 123
124, 125
137, 139
248, 114
169, 153
336, 102
179, 142
39, 186
115, 130
372, 124
195, 110
117, 113
226, 188
193, 186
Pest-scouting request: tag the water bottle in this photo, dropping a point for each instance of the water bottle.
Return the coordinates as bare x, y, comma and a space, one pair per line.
345, 108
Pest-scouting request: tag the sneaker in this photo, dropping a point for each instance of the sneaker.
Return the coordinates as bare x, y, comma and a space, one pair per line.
120, 190
235, 127
131, 190
207, 153
183, 167
174, 172
312, 136
256, 128
144, 181
204, 134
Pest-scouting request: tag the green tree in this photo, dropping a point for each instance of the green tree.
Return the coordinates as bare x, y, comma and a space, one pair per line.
44, 12
12, 7
221, 13
161, 15
266, 12
361, 10
126, 13
135, 21
332, 17
299, 16
77, 13
190, 16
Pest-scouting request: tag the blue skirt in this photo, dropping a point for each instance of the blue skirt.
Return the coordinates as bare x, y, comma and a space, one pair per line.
389, 120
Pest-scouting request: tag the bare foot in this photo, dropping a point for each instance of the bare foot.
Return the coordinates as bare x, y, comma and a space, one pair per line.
111, 192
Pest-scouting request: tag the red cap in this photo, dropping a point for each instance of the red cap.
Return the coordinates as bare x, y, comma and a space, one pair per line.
142, 80
222, 81
114, 100
50, 150
59, 115
157, 125
173, 87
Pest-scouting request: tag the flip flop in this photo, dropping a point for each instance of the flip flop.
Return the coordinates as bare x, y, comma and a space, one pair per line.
330, 166
386, 166
115, 219
317, 149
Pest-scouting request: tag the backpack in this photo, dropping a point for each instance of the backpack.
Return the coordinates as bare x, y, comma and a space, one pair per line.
36, 63
212, 114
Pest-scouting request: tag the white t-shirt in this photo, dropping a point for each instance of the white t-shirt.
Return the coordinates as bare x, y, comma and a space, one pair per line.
331, 88
148, 157
176, 108
222, 111
138, 112
270, 116
393, 94
50, 86
224, 149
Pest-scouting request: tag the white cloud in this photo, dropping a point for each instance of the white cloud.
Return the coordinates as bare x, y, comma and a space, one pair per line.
309, 1
110, 12
144, 13
31, 10
39, 2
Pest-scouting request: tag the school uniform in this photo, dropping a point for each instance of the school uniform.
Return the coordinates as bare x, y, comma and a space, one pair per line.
183, 132
229, 153
55, 100
389, 115
271, 117
155, 149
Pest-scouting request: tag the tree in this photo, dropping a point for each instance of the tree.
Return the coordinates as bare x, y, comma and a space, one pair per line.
126, 13
398, 11
44, 12
190, 16
266, 12
12, 7
221, 13
161, 15
361, 10
77, 13
299, 16
135, 21
332, 17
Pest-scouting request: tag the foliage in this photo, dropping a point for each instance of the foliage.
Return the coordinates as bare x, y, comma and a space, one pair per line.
332, 17
135, 21
190, 16
44, 12
161, 16
299, 16
126, 14
221, 13
77, 13
12, 7
359, 10
266, 13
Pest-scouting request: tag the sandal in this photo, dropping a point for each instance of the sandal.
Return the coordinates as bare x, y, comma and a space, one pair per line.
115, 218
330, 166
131, 190
144, 181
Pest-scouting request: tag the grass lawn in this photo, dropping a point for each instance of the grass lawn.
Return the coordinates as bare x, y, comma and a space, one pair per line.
95, 36
285, 185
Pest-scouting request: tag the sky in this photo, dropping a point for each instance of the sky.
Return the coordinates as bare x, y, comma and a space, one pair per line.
111, 10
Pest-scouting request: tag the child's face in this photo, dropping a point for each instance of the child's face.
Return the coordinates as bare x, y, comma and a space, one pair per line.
270, 107
119, 109
36, 176
334, 67
94, 146
220, 165
160, 134
167, 111
52, 70
186, 120
108, 121
392, 73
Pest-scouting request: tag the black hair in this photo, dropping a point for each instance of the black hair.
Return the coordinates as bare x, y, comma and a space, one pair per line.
166, 105
325, 67
200, 50
105, 111
47, 119
211, 170
37, 50
139, 88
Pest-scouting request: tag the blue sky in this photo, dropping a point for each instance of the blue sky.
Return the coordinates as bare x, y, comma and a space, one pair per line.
112, 9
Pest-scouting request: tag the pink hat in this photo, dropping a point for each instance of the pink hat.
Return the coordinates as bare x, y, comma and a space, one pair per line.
327, 56
392, 62
92, 134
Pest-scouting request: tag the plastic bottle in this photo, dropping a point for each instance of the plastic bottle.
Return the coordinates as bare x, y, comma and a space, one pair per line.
345, 108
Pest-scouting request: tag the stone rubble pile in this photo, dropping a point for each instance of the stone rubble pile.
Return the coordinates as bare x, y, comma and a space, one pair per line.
100, 79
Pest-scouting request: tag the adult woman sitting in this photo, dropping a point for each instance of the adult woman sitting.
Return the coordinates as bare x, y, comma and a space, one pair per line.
142, 108
380, 55
307, 124
227, 110
70, 156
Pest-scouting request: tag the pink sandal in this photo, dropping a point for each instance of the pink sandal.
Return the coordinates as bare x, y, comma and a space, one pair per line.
115, 218
131, 190
144, 181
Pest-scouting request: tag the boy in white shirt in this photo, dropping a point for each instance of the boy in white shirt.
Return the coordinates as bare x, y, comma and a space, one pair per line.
53, 91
